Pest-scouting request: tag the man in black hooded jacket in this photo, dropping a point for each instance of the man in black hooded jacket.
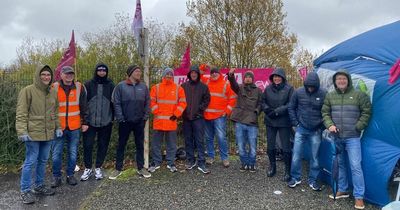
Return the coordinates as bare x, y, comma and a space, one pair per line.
99, 91
197, 100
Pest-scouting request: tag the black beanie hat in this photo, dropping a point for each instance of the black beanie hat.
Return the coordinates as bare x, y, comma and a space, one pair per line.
131, 69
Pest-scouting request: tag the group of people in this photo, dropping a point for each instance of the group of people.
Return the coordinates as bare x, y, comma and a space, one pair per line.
50, 115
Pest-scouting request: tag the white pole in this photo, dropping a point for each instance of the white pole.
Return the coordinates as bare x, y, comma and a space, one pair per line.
144, 54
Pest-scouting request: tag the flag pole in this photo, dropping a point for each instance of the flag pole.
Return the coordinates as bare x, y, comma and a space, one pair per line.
145, 59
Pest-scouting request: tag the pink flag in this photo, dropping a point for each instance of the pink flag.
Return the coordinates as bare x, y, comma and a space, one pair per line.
185, 62
68, 59
303, 73
394, 72
137, 23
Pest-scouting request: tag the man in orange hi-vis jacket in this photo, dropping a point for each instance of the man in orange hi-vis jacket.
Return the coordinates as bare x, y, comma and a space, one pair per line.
223, 99
168, 102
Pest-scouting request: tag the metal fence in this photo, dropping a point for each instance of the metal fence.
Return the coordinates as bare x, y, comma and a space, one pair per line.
20, 80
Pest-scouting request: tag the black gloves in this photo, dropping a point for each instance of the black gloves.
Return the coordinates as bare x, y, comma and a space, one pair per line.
173, 117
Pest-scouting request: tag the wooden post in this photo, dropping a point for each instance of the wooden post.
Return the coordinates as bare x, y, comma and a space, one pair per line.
144, 54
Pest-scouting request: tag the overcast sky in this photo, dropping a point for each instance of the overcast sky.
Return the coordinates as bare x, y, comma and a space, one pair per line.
319, 24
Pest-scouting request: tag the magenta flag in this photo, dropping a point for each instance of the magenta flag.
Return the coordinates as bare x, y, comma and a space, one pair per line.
68, 59
394, 72
185, 62
137, 23
303, 73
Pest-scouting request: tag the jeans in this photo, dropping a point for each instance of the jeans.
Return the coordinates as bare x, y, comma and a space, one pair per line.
103, 140
72, 140
216, 127
246, 135
36, 155
304, 136
351, 146
170, 139
193, 130
125, 128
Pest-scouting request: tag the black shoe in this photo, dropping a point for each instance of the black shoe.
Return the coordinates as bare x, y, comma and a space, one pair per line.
43, 190
28, 198
272, 170
56, 182
243, 168
252, 169
71, 180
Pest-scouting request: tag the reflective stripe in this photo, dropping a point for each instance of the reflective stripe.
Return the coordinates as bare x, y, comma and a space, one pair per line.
177, 91
166, 102
225, 86
70, 103
218, 95
162, 117
229, 107
214, 110
234, 96
180, 108
70, 114
182, 100
78, 92
154, 108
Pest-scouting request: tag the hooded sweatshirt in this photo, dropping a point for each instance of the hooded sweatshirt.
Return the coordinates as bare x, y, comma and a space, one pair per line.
305, 106
37, 109
197, 97
349, 111
99, 93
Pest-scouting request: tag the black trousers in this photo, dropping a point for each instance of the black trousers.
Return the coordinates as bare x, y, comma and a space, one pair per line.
124, 130
284, 137
103, 140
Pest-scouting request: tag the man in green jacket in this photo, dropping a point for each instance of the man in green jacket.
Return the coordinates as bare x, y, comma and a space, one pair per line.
37, 124
346, 113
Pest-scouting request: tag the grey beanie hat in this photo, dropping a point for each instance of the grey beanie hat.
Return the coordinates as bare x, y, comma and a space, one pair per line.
166, 71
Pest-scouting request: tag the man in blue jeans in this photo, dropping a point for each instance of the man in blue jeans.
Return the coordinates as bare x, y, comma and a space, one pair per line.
73, 116
305, 114
245, 116
37, 124
346, 114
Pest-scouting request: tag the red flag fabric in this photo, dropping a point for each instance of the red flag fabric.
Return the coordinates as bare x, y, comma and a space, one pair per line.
68, 59
137, 23
303, 73
185, 62
394, 72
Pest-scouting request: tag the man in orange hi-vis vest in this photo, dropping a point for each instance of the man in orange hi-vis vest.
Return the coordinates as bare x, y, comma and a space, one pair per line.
73, 115
168, 102
223, 99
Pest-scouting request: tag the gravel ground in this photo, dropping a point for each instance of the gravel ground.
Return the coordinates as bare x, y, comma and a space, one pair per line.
224, 188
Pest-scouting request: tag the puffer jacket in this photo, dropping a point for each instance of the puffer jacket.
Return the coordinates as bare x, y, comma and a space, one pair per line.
305, 107
37, 109
248, 104
99, 93
275, 101
349, 111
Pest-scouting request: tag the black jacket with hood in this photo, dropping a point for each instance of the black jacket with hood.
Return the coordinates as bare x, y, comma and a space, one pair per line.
275, 101
99, 92
197, 97
305, 106
248, 104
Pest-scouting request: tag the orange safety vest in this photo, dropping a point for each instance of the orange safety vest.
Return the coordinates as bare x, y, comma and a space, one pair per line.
167, 99
223, 99
69, 107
